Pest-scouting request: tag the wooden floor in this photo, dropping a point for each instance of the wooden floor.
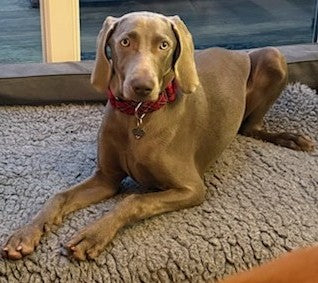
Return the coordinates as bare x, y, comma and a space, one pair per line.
233, 24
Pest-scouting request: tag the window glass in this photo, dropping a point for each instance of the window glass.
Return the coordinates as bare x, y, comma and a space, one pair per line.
234, 24
20, 32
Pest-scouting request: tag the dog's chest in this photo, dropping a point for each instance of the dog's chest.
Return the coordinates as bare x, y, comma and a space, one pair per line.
139, 165
144, 159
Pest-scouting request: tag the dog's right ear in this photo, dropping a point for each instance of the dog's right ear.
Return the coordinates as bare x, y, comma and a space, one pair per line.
102, 70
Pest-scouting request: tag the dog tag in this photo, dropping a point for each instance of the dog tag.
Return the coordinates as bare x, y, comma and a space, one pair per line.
138, 133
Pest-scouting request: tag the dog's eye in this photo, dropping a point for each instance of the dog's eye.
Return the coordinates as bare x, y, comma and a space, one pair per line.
125, 42
164, 45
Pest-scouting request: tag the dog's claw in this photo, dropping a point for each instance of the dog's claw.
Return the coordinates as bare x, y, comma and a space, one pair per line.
4, 252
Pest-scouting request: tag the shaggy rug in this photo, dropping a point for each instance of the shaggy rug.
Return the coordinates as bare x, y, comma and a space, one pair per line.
261, 200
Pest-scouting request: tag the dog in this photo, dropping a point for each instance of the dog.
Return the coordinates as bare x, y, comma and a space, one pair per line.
171, 112
298, 266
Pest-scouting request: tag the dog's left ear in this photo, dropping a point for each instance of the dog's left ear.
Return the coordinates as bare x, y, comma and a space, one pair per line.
102, 71
184, 66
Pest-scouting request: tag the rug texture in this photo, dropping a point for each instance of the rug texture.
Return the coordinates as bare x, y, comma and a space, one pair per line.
261, 199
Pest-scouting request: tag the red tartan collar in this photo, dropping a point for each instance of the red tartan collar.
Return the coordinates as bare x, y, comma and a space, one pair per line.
131, 107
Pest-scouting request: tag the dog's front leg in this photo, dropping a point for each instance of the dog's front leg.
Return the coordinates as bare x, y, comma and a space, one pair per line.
90, 241
23, 241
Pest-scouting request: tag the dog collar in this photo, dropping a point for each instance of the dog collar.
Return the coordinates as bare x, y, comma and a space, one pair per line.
141, 108
132, 107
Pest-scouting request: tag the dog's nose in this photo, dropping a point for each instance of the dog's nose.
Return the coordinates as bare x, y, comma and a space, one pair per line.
142, 88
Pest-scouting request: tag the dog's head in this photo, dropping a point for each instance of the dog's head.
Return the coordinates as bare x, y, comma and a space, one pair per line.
142, 52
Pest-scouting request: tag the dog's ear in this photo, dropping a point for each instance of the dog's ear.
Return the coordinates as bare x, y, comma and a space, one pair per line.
102, 70
184, 65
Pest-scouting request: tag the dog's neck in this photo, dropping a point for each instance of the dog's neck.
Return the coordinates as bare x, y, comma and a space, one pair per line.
167, 95
140, 108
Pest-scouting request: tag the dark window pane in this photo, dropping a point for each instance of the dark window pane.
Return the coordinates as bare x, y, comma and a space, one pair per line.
20, 32
234, 24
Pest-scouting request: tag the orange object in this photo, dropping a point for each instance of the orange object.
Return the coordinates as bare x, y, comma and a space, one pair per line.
299, 266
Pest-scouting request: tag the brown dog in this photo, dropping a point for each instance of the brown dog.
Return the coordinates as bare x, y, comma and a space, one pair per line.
204, 99
299, 266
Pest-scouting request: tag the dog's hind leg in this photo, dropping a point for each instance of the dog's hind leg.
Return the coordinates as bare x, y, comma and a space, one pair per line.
93, 190
267, 79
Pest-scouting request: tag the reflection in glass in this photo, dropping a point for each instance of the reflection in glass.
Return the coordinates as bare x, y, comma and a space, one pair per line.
235, 24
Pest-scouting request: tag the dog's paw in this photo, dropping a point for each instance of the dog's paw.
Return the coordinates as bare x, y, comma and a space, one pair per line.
90, 242
296, 142
22, 242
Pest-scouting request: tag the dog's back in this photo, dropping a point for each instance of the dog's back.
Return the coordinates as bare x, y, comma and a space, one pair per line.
223, 75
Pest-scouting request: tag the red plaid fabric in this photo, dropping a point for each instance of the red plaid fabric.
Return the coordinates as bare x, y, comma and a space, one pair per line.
129, 106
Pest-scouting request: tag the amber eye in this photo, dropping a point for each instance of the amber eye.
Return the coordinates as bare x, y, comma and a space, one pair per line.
164, 45
125, 42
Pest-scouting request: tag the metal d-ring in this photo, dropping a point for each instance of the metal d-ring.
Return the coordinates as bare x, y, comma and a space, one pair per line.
139, 118
138, 131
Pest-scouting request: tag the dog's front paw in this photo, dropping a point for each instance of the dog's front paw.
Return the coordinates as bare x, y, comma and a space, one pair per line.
22, 242
90, 241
